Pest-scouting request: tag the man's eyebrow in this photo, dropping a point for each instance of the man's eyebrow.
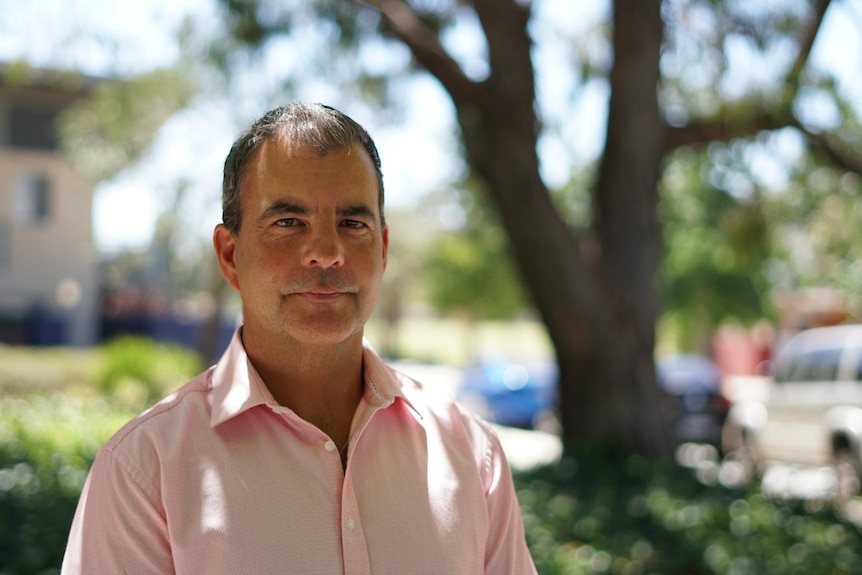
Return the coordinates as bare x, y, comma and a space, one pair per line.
357, 212
281, 208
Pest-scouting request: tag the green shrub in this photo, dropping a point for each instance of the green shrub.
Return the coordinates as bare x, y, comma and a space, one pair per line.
50, 433
617, 514
47, 444
138, 370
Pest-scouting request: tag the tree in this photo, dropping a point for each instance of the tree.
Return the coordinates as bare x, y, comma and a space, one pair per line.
596, 289
112, 128
469, 271
716, 246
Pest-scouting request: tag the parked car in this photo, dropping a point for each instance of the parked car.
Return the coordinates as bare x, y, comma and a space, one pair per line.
696, 404
514, 394
526, 394
812, 411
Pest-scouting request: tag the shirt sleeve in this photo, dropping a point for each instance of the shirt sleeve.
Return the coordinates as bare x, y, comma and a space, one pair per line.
506, 552
118, 526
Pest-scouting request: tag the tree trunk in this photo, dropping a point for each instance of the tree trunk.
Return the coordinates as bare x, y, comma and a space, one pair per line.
626, 228
597, 294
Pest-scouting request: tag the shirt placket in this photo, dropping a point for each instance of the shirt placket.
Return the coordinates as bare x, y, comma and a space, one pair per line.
355, 550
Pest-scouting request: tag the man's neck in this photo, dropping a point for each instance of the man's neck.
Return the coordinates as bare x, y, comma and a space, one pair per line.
321, 384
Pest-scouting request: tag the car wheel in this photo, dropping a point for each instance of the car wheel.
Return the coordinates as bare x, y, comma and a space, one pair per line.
848, 471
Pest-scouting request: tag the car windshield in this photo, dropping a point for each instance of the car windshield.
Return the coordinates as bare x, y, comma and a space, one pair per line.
814, 365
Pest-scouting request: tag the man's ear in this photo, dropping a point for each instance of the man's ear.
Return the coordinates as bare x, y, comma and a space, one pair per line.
224, 242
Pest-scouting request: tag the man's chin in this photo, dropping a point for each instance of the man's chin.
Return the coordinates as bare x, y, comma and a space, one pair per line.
325, 335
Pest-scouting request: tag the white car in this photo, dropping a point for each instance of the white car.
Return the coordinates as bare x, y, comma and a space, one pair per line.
812, 412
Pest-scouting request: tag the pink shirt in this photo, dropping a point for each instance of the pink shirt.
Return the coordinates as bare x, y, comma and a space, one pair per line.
218, 478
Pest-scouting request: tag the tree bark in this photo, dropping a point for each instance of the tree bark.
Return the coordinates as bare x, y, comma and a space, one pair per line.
626, 229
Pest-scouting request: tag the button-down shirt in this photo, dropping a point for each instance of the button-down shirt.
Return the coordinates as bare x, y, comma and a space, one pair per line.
219, 478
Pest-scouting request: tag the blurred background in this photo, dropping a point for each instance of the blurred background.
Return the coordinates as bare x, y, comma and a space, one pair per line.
607, 221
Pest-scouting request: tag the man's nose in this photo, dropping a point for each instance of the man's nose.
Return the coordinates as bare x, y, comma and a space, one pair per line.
324, 249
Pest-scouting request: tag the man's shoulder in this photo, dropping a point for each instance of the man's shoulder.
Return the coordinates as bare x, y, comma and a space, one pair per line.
188, 406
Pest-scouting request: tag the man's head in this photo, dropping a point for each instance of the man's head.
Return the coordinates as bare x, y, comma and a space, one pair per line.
303, 239
314, 126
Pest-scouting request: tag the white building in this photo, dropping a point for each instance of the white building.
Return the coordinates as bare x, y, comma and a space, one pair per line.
48, 263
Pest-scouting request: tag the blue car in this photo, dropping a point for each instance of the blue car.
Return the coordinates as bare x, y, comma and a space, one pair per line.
525, 395
513, 394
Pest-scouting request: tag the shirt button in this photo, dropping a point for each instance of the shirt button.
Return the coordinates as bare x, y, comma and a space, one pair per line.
351, 524
329, 445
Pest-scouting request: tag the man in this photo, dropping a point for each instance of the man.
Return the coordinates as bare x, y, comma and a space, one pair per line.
300, 451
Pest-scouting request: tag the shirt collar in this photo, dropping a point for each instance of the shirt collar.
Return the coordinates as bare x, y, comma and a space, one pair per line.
382, 383
237, 387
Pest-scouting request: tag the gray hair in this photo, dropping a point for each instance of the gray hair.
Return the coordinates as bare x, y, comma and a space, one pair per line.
320, 127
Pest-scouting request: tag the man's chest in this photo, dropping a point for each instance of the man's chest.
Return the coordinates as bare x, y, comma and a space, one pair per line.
278, 502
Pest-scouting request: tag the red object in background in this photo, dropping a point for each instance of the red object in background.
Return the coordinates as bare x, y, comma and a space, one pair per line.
738, 351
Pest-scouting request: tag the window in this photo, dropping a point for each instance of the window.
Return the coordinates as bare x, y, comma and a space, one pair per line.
33, 198
32, 128
817, 365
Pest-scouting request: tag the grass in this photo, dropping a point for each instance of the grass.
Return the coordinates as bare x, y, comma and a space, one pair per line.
36, 370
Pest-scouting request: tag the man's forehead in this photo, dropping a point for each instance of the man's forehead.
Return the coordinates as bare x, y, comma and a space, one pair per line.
270, 172
275, 155
286, 146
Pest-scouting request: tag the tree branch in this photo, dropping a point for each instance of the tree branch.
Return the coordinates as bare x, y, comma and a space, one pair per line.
509, 48
838, 154
426, 47
736, 121
743, 119
806, 42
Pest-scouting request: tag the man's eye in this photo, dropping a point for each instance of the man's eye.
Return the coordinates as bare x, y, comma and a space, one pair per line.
355, 224
286, 222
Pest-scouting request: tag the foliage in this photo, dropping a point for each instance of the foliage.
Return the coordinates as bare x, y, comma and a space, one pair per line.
816, 228
606, 512
716, 245
51, 429
138, 370
47, 444
116, 124
470, 270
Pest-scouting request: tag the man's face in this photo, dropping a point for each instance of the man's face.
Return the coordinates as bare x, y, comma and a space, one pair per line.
308, 259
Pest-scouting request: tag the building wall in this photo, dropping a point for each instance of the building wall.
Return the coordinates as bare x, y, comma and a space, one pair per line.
48, 263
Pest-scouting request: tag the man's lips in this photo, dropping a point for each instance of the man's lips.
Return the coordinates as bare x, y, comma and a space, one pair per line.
321, 287
321, 294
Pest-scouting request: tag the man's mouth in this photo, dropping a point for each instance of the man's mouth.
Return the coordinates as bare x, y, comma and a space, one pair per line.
322, 293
